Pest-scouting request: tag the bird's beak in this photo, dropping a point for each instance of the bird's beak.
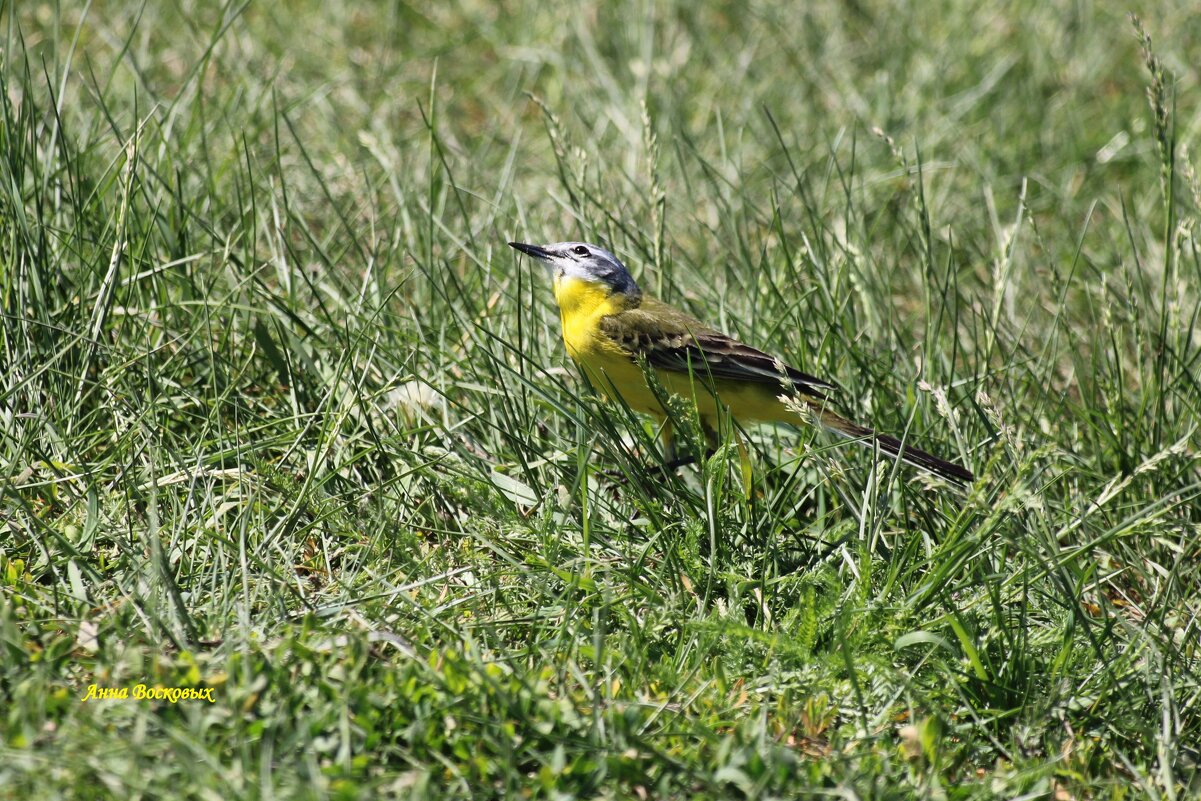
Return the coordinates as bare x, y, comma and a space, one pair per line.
532, 250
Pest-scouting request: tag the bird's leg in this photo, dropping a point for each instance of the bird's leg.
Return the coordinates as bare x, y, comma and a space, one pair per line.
671, 457
679, 461
712, 439
667, 433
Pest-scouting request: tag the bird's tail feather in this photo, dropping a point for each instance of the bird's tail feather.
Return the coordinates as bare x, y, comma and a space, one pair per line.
893, 447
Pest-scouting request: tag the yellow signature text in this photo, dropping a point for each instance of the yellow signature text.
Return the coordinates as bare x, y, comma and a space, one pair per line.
141, 692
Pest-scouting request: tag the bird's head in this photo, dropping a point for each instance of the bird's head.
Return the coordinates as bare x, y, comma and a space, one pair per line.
596, 267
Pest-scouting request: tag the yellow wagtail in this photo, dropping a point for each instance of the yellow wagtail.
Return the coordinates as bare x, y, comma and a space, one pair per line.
611, 329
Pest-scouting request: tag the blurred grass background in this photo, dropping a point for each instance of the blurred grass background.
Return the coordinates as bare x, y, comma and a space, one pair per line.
281, 414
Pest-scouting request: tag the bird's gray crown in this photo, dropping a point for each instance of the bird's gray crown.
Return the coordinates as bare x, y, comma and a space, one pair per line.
585, 261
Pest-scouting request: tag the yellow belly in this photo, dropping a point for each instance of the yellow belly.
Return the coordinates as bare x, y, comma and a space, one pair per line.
619, 376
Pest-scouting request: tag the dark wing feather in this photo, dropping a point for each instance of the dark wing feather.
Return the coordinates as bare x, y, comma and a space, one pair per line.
670, 340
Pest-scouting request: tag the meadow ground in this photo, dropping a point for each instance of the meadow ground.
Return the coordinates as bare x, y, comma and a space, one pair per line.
281, 416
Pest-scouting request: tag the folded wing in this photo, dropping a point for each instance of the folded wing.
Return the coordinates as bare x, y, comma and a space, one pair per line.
670, 340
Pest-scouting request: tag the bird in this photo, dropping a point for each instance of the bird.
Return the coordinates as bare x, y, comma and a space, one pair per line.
615, 332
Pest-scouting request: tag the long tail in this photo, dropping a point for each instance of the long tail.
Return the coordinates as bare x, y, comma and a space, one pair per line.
893, 447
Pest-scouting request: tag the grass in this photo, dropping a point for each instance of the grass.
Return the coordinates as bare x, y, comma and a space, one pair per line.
282, 416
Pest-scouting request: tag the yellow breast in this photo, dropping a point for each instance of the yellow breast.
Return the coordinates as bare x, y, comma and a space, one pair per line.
582, 305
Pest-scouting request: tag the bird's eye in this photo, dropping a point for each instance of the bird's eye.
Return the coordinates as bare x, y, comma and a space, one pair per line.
580, 251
